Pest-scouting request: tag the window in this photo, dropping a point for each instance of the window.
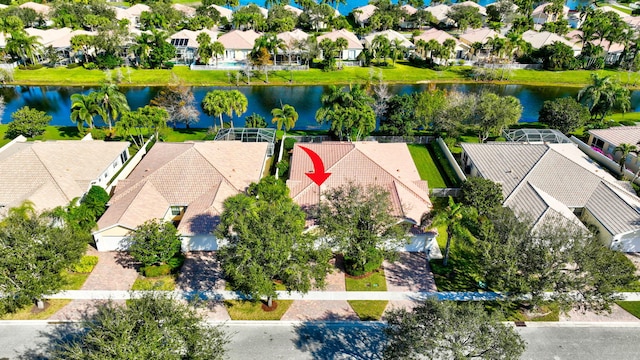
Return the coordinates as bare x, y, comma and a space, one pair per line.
598, 143
176, 210
115, 164
124, 156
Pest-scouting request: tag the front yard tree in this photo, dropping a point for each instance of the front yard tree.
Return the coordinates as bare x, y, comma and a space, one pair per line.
152, 327
556, 260
450, 330
482, 194
266, 243
34, 250
154, 242
27, 122
564, 114
358, 222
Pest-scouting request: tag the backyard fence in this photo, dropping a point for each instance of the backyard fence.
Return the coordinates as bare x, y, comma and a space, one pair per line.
601, 159
240, 67
310, 138
9, 66
128, 167
401, 139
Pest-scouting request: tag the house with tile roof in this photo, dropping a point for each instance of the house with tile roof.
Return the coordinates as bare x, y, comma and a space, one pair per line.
461, 50
542, 38
53, 173
291, 41
224, 12
541, 17
612, 51
392, 36
608, 139
238, 44
188, 11
363, 13
546, 181
388, 165
440, 12
186, 44
354, 46
59, 39
293, 9
185, 183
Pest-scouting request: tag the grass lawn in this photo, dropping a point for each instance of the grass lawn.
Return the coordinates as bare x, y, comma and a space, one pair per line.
252, 310
522, 312
426, 166
368, 310
74, 280
443, 165
441, 239
181, 135
619, 8
401, 73
32, 313
372, 282
632, 307
162, 283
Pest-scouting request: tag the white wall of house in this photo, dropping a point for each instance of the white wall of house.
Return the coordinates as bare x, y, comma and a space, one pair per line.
111, 170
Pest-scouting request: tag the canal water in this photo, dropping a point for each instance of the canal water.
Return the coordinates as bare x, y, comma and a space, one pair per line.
55, 100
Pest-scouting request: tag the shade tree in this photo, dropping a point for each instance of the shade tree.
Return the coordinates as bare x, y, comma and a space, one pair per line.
154, 242
179, 102
27, 122
564, 114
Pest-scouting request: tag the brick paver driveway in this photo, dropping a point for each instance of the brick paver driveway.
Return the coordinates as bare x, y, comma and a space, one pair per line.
411, 272
114, 271
201, 272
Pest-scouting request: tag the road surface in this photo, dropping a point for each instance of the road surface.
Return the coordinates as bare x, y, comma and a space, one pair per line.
281, 340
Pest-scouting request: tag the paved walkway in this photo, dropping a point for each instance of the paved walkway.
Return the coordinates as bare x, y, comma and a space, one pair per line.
201, 272
114, 271
410, 273
618, 314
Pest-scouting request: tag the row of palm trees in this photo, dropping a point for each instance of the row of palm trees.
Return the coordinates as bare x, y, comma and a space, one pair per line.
108, 103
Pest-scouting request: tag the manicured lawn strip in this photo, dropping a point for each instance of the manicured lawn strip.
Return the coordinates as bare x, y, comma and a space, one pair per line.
53, 305
368, 310
632, 307
51, 133
161, 283
252, 310
619, 8
443, 165
181, 135
441, 239
373, 282
401, 73
426, 166
520, 312
630, 116
74, 280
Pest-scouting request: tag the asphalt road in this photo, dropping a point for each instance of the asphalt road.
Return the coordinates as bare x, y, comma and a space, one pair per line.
354, 341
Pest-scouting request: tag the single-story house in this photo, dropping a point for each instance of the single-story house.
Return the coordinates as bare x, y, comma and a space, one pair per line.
354, 46
363, 13
546, 181
460, 51
541, 17
440, 12
409, 10
185, 183
388, 165
59, 39
131, 13
612, 51
186, 10
186, 44
608, 139
224, 12
291, 40
238, 44
542, 38
482, 36
53, 173
392, 36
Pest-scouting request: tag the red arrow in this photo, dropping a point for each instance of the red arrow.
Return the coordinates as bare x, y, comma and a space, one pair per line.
318, 175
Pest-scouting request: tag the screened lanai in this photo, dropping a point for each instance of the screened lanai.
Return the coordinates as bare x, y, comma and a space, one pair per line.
535, 136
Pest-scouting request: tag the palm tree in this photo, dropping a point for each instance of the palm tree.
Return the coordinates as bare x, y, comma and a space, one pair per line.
604, 95
238, 104
83, 109
217, 50
285, 116
448, 46
142, 48
22, 45
624, 150
204, 47
112, 102
380, 46
341, 45
215, 104
450, 217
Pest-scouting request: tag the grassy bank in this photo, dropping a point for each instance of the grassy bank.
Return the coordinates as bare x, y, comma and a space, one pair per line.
401, 73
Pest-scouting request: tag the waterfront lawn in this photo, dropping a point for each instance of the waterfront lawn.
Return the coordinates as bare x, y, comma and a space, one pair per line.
368, 310
374, 281
252, 310
632, 307
31, 312
181, 135
3, 131
426, 166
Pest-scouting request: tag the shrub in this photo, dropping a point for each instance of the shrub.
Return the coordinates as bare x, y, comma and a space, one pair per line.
98, 134
90, 66
168, 65
27, 122
289, 143
30, 67
156, 270
86, 264
627, 122
175, 263
108, 61
96, 201
73, 66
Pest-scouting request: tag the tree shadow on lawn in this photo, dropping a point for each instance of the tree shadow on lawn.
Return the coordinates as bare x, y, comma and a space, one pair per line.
340, 340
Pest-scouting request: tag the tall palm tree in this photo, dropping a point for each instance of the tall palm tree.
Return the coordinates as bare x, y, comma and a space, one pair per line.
624, 150
83, 109
112, 102
238, 104
285, 116
341, 45
380, 46
448, 46
23, 46
142, 48
215, 104
604, 95
217, 50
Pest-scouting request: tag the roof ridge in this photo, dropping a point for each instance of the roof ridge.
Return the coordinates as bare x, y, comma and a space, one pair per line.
55, 182
126, 210
610, 188
327, 169
215, 168
526, 175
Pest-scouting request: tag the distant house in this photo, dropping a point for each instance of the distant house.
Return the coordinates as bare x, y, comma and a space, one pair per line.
363, 13
186, 10
612, 51
132, 13
608, 139
238, 44
481, 9
224, 12
53, 173
293, 9
354, 46
409, 10
461, 50
292, 40
482, 36
388, 165
187, 46
550, 181
392, 36
540, 39
540, 17
440, 12
58, 39
185, 183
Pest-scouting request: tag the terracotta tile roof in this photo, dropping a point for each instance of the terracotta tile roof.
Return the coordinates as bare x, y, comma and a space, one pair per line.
53, 173
439, 11
185, 9
192, 36
39, 8
481, 35
224, 12
290, 37
435, 34
364, 163
237, 39
198, 175
392, 35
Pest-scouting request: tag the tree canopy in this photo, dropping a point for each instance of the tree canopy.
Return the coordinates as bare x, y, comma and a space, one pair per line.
265, 242
564, 114
27, 122
154, 242
482, 194
450, 330
152, 327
